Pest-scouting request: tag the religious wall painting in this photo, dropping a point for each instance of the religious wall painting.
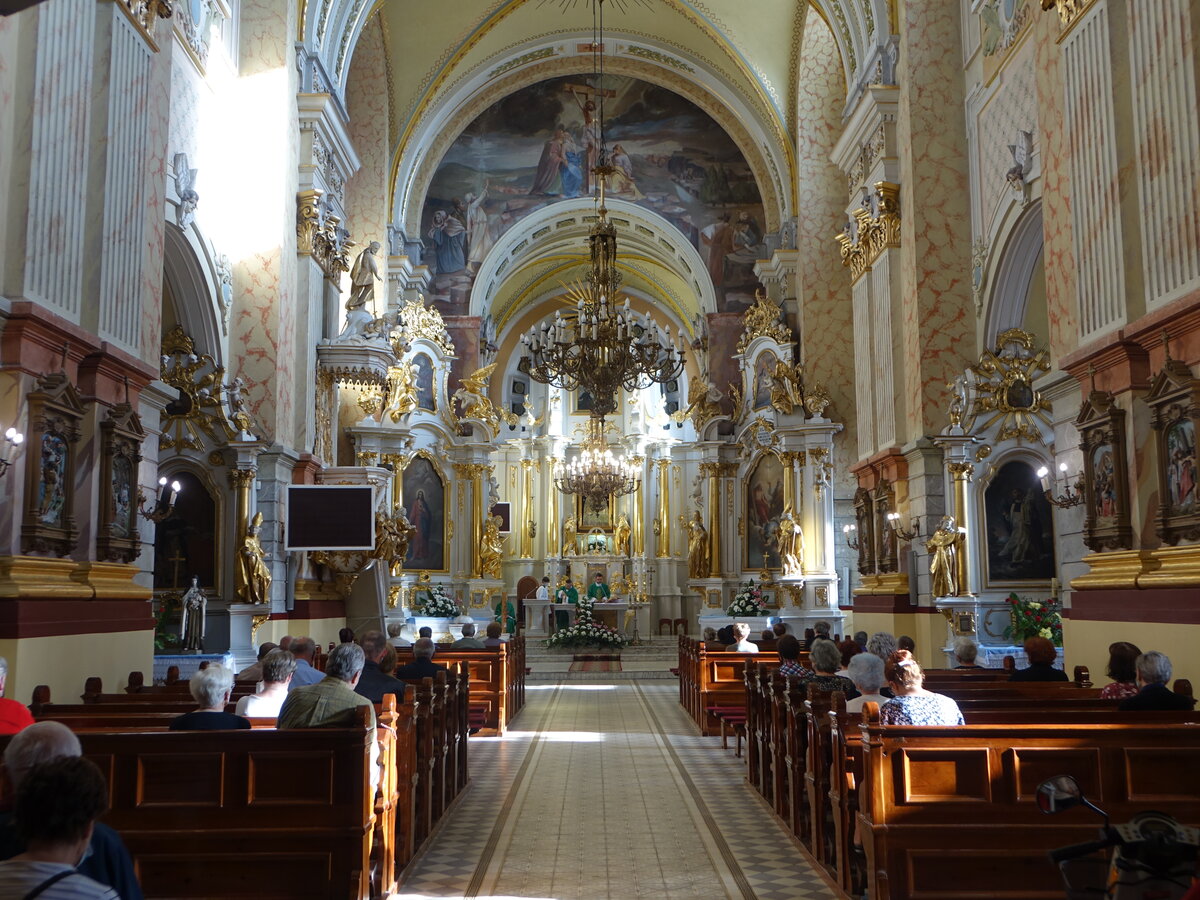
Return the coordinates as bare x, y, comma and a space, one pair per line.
425, 495
1019, 527
864, 527
1104, 497
764, 380
589, 519
121, 436
55, 419
764, 505
1101, 425
423, 369
582, 402
1174, 401
538, 146
884, 502
186, 542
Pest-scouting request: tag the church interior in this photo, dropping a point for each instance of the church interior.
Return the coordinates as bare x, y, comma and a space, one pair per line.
878, 313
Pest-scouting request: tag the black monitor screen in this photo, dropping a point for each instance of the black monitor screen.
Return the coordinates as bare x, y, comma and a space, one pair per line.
329, 517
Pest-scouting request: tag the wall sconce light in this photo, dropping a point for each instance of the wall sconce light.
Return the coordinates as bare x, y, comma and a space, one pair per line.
1072, 494
164, 504
12, 440
851, 533
905, 534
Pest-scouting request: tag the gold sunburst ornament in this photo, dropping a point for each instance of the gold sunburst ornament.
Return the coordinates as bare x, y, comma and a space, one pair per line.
1004, 390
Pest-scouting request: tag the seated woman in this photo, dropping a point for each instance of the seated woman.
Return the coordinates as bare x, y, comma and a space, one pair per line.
211, 688
710, 634
1041, 655
849, 650
825, 658
913, 705
965, 653
1153, 673
866, 671
278, 668
788, 649
741, 635
1121, 658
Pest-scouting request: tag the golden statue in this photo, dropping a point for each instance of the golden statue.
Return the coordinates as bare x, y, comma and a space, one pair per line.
785, 388
943, 559
569, 534
791, 543
697, 547
392, 534
254, 578
491, 548
705, 403
622, 535
402, 391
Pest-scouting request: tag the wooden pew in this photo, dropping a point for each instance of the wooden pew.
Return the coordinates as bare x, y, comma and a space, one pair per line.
222, 814
950, 812
497, 679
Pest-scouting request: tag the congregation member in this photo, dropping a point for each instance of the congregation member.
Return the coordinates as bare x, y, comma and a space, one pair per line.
860, 638
210, 688
394, 635
866, 672
725, 635
253, 673
767, 635
904, 642
849, 649
820, 633
305, 651
374, 682
55, 813
285, 642
709, 634
425, 632
779, 629
14, 716
277, 671
468, 641
345, 635
1041, 654
106, 859
493, 639
912, 704
790, 666
965, 653
422, 665
882, 644
390, 660
1122, 669
1153, 673
825, 657
741, 639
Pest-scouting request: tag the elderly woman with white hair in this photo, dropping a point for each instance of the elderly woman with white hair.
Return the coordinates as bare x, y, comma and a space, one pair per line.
825, 658
866, 671
965, 653
1153, 673
210, 689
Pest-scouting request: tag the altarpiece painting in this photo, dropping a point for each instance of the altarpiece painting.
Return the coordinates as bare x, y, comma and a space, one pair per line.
764, 505
1020, 531
425, 497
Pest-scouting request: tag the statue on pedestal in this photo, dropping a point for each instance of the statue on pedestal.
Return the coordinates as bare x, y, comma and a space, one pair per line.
392, 534
491, 548
622, 535
943, 559
192, 622
791, 544
698, 566
255, 580
569, 533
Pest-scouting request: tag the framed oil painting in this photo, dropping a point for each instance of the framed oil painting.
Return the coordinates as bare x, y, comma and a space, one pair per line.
426, 396
425, 496
538, 146
55, 419
1019, 528
764, 505
588, 518
1174, 401
1101, 425
764, 368
121, 436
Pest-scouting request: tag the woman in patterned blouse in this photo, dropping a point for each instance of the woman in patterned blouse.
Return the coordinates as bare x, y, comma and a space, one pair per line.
788, 649
1121, 656
825, 658
913, 705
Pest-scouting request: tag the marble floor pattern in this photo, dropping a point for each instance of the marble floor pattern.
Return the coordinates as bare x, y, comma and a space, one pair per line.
606, 792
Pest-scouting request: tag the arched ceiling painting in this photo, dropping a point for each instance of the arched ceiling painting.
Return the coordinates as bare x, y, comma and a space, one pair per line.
535, 147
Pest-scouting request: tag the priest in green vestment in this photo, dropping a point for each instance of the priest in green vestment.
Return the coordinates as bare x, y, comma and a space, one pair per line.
598, 589
566, 594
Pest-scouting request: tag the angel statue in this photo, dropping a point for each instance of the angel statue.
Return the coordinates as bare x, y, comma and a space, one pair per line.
254, 578
185, 189
402, 391
698, 566
785, 388
622, 535
238, 414
705, 403
192, 625
1022, 154
472, 396
943, 559
791, 544
570, 531
491, 548
392, 534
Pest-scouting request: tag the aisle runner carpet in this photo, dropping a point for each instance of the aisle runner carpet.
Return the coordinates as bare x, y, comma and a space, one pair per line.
595, 662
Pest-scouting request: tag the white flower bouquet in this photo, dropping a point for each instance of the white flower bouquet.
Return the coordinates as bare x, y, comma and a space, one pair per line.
438, 604
586, 631
748, 602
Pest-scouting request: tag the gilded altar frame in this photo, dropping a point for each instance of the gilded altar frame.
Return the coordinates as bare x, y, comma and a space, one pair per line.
451, 493
1174, 401
55, 420
1101, 425
121, 437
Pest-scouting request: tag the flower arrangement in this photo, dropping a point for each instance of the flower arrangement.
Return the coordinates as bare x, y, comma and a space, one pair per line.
438, 604
1034, 618
586, 631
748, 602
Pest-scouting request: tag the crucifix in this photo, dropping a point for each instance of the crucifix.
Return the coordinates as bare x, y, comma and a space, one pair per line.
585, 98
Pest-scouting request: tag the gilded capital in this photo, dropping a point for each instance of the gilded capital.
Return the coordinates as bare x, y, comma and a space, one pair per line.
961, 470
240, 478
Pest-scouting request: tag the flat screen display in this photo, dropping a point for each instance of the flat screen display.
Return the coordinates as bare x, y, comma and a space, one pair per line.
330, 517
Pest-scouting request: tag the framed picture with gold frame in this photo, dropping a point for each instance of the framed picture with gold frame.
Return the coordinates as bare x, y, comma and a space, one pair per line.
121, 436
588, 518
55, 420
1101, 425
1174, 401
581, 402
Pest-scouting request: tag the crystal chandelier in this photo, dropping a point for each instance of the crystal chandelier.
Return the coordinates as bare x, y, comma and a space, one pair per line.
597, 473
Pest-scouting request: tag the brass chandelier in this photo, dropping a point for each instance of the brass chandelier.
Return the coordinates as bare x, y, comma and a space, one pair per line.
597, 473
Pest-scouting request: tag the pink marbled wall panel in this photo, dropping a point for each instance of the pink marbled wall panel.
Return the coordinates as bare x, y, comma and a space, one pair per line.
158, 115
186, 86
1058, 253
1013, 106
938, 326
263, 327
825, 306
367, 102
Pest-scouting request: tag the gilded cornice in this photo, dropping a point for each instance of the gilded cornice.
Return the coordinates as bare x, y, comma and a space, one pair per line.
1069, 12
874, 231
764, 319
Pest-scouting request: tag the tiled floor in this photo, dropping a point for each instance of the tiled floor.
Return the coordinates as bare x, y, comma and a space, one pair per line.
610, 795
